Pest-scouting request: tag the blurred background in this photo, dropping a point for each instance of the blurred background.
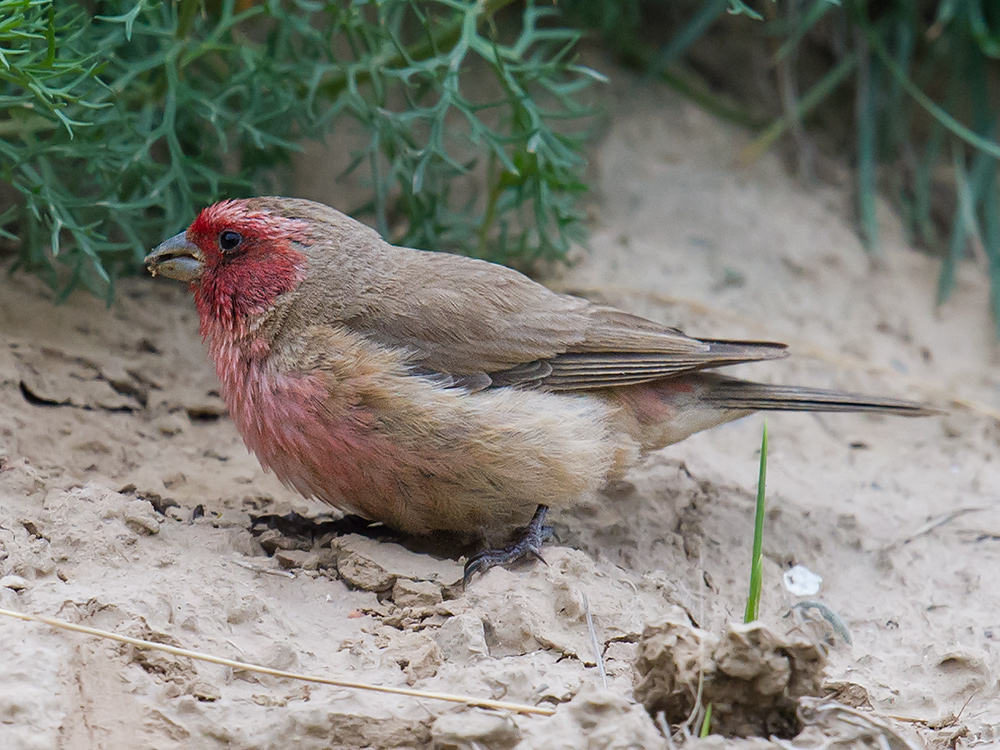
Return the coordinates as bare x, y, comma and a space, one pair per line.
463, 125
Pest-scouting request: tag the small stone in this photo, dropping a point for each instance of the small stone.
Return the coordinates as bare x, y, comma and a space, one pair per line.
204, 691
462, 639
327, 559
171, 424
358, 568
272, 540
425, 659
208, 409
141, 518
174, 480
408, 593
596, 718
14, 583
268, 701
32, 528
396, 561
297, 558
471, 728
96, 447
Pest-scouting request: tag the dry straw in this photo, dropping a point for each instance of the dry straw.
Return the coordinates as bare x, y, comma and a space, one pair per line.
140, 643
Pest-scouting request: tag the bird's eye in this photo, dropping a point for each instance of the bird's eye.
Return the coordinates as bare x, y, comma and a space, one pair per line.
229, 240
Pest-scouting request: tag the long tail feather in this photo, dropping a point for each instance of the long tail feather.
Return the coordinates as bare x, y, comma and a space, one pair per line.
729, 393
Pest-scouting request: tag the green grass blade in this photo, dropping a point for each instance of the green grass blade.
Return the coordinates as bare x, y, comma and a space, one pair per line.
812, 16
692, 32
938, 113
738, 7
706, 723
756, 559
867, 125
990, 221
924, 183
962, 227
823, 88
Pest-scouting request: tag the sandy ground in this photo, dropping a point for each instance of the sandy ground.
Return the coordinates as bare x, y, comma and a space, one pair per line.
126, 499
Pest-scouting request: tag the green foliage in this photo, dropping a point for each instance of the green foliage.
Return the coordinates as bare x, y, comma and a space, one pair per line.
117, 128
914, 83
898, 53
757, 556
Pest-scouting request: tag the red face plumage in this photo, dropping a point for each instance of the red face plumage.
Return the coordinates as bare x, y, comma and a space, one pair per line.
249, 259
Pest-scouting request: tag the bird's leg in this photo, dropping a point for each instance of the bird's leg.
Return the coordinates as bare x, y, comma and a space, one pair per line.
528, 543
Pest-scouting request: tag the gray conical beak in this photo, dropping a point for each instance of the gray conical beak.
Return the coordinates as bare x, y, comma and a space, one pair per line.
176, 258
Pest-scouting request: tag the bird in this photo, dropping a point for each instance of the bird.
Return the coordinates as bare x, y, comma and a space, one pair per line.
438, 393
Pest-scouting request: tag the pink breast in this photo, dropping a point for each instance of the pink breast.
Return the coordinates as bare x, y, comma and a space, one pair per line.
317, 442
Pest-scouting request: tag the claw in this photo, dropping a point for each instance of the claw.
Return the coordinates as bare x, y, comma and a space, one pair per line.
527, 544
535, 554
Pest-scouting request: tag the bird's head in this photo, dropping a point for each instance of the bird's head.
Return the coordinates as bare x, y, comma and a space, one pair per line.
238, 257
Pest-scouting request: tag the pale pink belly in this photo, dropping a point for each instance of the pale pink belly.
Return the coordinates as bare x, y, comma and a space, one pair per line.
341, 459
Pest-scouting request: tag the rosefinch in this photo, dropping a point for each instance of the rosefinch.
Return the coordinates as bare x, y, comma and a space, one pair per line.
436, 392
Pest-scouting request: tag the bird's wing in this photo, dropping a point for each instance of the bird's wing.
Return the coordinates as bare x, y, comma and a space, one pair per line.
485, 325
574, 371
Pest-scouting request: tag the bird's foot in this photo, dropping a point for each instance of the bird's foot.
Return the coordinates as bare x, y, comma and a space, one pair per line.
527, 544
